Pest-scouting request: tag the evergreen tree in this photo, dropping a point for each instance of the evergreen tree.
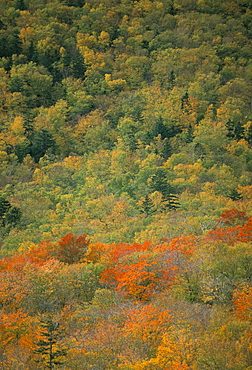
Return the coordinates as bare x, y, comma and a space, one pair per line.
20, 5
4, 208
41, 141
147, 206
13, 216
47, 347
159, 182
235, 195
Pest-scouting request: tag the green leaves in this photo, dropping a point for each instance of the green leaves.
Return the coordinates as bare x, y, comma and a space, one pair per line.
159, 182
9, 216
33, 81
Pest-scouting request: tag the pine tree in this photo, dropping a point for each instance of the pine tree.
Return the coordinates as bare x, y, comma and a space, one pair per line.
47, 347
235, 195
4, 208
159, 182
13, 216
147, 206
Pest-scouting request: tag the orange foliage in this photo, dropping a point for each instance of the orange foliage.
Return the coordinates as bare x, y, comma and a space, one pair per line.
140, 270
122, 250
97, 252
239, 233
147, 323
137, 279
69, 249
184, 244
72, 249
242, 300
37, 255
233, 216
18, 331
41, 253
178, 366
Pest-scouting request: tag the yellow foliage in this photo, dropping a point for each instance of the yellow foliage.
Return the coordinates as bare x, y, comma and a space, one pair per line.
72, 162
17, 126
172, 354
3, 156
104, 38
38, 175
60, 230
246, 191
25, 32
26, 246
186, 170
86, 41
117, 84
92, 120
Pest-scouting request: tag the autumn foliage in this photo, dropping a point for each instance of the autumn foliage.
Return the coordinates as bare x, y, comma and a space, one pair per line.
125, 184
142, 288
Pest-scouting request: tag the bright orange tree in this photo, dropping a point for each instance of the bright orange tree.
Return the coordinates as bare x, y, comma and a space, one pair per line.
72, 249
139, 270
242, 299
232, 234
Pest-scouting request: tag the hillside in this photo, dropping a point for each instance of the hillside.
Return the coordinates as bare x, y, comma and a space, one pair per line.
125, 184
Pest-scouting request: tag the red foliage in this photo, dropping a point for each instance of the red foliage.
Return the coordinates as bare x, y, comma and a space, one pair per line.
72, 249
233, 217
122, 250
184, 244
239, 233
242, 299
138, 274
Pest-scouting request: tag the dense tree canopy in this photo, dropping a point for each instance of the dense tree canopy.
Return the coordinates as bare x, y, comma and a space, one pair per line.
125, 184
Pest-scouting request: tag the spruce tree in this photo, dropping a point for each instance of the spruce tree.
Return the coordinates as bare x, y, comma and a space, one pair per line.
159, 182
147, 206
47, 347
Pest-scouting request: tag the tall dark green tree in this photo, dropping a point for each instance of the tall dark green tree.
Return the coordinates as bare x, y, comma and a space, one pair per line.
147, 206
37, 144
4, 208
159, 182
41, 141
13, 216
9, 216
47, 347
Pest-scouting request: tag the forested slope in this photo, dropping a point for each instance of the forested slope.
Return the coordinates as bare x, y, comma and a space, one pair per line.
126, 184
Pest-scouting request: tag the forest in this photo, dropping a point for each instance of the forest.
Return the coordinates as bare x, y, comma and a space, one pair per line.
126, 184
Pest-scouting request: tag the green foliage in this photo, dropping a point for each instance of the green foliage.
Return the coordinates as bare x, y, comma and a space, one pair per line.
37, 144
121, 122
159, 182
34, 82
9, 216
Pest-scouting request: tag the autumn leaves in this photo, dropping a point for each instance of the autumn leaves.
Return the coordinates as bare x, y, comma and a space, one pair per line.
130, 306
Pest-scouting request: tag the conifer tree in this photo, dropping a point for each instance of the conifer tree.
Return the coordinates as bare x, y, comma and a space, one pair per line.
47, 347
4, 208
159, 182
147, 206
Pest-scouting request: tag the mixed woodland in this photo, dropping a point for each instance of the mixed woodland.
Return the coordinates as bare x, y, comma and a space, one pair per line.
125, 184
